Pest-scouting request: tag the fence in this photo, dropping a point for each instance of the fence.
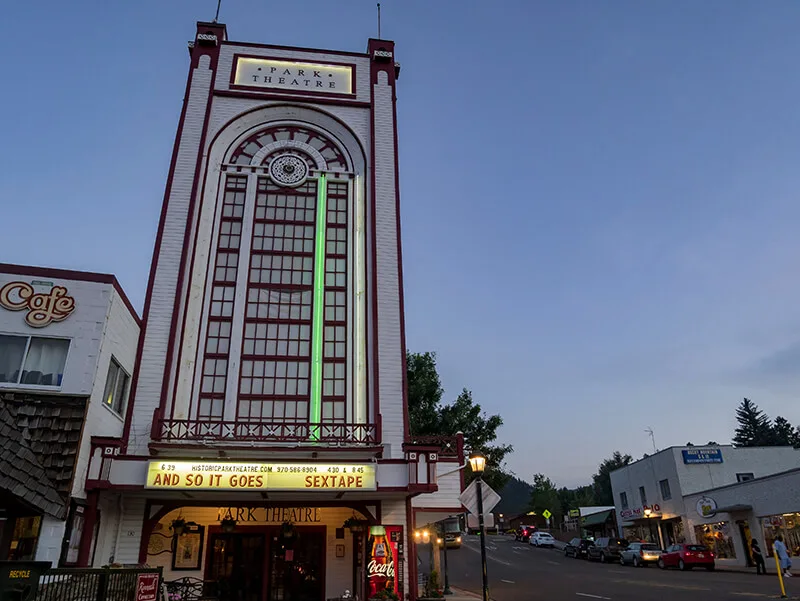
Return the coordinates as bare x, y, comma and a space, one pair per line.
99, 584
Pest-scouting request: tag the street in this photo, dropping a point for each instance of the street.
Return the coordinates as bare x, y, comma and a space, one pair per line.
518, 571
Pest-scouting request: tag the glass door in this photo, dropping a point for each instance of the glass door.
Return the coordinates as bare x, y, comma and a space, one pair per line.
236, 566
297, 568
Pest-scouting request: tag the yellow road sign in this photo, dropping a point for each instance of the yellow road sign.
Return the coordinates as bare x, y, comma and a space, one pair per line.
546, 513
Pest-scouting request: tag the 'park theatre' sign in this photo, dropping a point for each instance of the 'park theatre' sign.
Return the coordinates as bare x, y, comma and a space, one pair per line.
292, 75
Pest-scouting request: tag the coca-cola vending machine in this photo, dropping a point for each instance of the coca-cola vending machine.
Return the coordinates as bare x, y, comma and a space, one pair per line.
384, 560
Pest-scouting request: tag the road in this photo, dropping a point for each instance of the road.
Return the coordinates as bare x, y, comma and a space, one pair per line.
519, 572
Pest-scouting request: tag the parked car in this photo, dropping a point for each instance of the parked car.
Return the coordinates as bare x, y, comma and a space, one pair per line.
640, 554
607, 549
524, 533
543, 539
578, 548
686, 557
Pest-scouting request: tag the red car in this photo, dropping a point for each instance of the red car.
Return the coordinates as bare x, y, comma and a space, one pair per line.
686, 557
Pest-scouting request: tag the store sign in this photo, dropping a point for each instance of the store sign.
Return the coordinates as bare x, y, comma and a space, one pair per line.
190, 475
296, 515
640, 512
43, 307
147, 587
631, 514
691, 456
706, 507
293, 75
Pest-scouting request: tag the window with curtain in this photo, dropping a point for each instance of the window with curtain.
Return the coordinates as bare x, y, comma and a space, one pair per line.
32, 360
116, 387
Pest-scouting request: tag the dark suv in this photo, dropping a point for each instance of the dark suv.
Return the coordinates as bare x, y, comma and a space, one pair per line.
577, 548
524, 533
607, 549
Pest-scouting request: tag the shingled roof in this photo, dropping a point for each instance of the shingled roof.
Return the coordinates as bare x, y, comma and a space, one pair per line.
39, 439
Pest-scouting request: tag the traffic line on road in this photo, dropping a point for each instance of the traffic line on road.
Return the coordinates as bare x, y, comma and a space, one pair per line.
593, 596
660, 585
508, 581
555, 563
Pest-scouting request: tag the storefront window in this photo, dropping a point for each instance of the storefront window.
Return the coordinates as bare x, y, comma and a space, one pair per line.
718, 537
788, 525
24, 538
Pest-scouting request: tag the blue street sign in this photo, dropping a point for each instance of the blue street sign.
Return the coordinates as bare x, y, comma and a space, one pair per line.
702, 455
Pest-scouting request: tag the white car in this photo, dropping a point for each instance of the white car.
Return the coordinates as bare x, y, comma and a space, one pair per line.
543, 539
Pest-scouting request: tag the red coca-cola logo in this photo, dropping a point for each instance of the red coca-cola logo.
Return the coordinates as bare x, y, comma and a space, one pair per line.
385, 570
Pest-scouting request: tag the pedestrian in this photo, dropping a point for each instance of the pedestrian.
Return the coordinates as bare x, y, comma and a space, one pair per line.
783, 556
758, 557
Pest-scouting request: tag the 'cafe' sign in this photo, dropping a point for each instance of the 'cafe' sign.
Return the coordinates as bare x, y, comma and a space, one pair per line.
43, 307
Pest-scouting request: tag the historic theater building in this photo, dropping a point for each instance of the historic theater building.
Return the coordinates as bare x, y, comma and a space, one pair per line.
266, 451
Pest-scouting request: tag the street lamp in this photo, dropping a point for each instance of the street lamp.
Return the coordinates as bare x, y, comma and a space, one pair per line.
478, 463
647, 513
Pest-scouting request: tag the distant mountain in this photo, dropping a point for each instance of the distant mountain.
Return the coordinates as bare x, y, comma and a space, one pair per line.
515, 497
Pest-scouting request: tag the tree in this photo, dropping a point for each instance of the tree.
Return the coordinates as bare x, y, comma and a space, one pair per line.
783, 433
545, 496
755, 429
424, 393
428, 416
602, 479
572, 498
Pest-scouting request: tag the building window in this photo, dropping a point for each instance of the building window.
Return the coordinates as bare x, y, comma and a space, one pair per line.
116, 387
32, 360
643, 496
744, 477
666, 494
623, 500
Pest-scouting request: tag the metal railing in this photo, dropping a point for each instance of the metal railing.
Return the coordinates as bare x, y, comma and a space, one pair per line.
94, 584
448, 445
334, 433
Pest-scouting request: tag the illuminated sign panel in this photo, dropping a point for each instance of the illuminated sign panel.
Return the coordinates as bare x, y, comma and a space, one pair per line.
293, 75
190, 475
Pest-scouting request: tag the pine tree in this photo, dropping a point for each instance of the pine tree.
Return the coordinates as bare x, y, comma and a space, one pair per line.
755, 429
783, 433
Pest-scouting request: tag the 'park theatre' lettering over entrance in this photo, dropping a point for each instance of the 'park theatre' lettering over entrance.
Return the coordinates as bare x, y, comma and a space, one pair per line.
292, 75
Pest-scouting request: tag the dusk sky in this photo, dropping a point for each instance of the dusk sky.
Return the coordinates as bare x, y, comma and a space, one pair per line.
599, 199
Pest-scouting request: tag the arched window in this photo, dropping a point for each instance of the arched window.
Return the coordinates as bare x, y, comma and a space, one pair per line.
277, 344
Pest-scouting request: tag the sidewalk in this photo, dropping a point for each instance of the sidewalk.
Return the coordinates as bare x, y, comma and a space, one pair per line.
461, 595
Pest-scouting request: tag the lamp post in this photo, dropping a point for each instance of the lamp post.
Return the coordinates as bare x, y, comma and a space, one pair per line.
443, 539
478, 463
647, 513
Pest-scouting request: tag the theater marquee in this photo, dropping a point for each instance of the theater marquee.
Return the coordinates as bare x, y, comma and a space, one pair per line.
292, 75
190, 475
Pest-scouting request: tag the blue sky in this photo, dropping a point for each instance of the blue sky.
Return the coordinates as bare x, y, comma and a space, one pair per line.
600, 199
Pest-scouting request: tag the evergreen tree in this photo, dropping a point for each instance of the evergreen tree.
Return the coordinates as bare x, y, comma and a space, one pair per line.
602, 479
783, 433
755, 429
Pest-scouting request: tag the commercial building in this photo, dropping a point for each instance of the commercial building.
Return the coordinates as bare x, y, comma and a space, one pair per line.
67, 348
727, 518
266, 447
650, 495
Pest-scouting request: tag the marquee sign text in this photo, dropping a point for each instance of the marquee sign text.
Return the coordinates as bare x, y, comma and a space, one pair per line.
43, 308
189, 475
297, 515
294, 76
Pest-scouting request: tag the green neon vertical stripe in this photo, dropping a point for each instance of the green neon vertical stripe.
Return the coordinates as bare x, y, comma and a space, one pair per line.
317, 336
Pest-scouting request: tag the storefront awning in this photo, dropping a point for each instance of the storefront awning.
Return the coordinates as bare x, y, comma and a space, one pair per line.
734, 508
596, 519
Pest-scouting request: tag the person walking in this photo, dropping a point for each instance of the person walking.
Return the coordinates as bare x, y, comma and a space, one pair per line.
758, 558
783, 556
